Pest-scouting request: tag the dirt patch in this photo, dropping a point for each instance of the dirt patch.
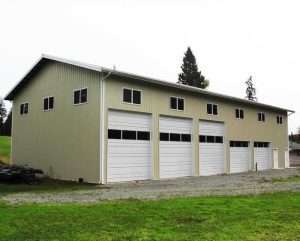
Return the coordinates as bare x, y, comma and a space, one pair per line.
236, 184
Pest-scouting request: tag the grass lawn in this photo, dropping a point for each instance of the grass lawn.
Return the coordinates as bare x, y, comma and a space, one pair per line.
4, 148
264, 217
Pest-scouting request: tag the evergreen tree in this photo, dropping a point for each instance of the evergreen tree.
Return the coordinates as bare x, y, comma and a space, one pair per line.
3, 111
5, 129
250, 90
190, 74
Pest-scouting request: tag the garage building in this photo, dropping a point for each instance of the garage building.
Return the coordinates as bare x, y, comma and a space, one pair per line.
78, 121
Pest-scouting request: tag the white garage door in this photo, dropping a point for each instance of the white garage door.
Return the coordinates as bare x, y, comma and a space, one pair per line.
211, 148
263, 155
175, 148
129, 147
239, 156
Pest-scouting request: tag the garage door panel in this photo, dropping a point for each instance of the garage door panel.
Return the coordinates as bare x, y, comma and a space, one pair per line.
239, 159
262, 157
210, 128
167, 124
211, 155
176, 158
129, 159
128, 121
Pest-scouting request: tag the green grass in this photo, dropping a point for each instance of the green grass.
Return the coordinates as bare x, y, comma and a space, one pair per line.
288, 179
47, 185
5, 148
264, 217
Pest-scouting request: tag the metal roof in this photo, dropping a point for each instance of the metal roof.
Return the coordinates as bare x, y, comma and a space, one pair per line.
152, 81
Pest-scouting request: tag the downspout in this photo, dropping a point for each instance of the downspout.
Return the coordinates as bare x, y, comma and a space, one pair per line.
102, 126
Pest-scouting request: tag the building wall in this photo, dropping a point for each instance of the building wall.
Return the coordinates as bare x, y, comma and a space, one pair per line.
63, 142
156, 100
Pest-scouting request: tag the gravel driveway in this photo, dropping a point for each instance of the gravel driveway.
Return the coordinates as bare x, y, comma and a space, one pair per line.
236, 184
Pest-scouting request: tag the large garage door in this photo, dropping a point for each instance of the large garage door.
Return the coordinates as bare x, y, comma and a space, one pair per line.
239, 156
263, 155
176, 158
211, 148
129, 147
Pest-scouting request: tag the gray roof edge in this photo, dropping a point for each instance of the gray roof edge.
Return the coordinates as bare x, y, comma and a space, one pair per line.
145, 79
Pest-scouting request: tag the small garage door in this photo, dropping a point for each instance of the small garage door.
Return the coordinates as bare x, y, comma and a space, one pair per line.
239, 156
263, 155
211, 148
175, 148
129, 147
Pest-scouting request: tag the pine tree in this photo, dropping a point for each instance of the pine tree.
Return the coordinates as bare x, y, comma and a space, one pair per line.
250, 90
5, 129
3, 111
190, 74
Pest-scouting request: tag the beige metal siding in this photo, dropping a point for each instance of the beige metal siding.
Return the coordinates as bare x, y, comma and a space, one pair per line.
155, 100
63, 142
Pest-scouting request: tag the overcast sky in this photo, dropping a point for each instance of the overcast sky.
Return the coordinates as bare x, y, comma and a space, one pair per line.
230, 39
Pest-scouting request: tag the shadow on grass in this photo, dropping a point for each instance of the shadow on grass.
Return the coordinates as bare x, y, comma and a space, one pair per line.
46, 185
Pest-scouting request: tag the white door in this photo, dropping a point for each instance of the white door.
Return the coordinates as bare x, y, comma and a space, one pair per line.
275, 159
239, 156
262, 155
175, 147
211, 148
129, 146
286, 159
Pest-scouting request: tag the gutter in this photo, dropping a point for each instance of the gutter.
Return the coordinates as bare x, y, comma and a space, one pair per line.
102, 180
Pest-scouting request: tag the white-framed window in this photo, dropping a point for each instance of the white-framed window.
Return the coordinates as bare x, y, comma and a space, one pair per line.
176, 103
48, 103
132, 96
239, 113
279, 119
212, 109
261, 116
24, 108
80, 96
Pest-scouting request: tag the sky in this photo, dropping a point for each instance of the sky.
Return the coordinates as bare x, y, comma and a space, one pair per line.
230, 39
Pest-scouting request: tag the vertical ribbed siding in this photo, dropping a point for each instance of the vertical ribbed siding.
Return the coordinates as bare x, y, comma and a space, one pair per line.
156, 101
63, 142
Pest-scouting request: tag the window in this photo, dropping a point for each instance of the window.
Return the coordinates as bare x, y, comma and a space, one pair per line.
143, 135
186, 137
211, 139
174, 137
261, 116
279, 119
180, 104
80, 96
114, 134
176, 103
261, 144
132, 96
239, 113
48, 103
164, 136
202, 138
212, 109
127, 95
219, 139
239, 143
24, 108
128, 135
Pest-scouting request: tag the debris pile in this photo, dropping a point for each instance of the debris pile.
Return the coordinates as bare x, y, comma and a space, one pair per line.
19, 174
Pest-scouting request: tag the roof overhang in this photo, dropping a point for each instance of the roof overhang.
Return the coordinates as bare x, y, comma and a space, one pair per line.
152, 81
